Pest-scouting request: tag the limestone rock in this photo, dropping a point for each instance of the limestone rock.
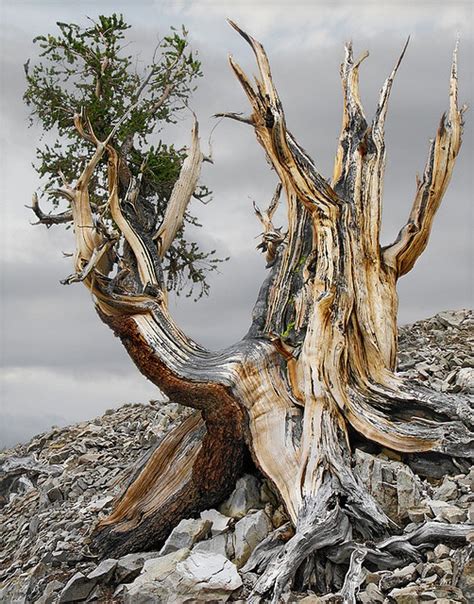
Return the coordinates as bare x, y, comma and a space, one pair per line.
446, 491
129, 566
147, 587
220, 523
77, 588
182, 577
393, 484
186, 534
245, 497
104, 572
371, 595
223, 544
249, 532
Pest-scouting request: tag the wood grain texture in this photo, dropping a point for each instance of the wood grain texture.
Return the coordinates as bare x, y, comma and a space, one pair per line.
319, 355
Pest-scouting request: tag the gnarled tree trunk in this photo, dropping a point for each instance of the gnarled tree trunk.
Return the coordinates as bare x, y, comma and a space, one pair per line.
319, 355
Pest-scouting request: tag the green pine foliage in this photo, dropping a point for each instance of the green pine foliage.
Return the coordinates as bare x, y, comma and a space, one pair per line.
89, 69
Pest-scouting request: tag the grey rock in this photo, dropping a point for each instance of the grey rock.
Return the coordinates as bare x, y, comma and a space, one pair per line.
184, 576
210, 576
451, 318
220, 522
446, 491
245, 497
441, 551
400, 577
186, 534
418, 514
77, 588
223, 544
49, 595
249, 532
447, 512
129, 566
393, 484
104, 572
466, 581
147, 587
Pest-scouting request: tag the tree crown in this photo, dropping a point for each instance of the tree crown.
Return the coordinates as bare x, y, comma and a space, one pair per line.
88, 70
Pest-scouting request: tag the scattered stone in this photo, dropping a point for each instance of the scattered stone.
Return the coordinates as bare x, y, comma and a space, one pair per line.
441, 551
418, 514
249, 532
199, 576
55, 488
104, 572
245, 497
223, 544
391, 483
129, 566
401, 576
77, 588
186, 534
371, 595
220, 523
446, 491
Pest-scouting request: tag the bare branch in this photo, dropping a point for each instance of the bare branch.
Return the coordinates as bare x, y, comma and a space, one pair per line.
272, 237
413, 237
353, 119
379, 119
181, 194
238, 117
294, 167
94, 260
48, 219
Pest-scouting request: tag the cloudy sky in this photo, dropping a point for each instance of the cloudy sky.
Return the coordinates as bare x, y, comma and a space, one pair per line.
59, 363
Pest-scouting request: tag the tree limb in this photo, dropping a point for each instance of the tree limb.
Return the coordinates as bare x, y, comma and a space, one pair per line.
413, 237
48, 219
181, 195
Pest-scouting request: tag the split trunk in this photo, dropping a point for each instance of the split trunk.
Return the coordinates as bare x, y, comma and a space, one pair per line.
318, 359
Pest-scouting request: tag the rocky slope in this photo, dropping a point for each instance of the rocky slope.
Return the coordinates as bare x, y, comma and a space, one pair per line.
54, 488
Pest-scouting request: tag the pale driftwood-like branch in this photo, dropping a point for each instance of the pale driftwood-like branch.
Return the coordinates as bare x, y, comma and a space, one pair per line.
48, 219
289, 160
238, 117
413, 237
181, 195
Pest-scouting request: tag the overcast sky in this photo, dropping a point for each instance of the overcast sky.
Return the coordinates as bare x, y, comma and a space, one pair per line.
59, 362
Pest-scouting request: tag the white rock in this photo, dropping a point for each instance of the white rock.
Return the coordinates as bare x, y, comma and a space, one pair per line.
249, 532
245, 497
184, 577
220, 523
209, 572
186, 534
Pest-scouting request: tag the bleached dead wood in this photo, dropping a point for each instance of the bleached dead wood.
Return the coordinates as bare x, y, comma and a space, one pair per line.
319, 355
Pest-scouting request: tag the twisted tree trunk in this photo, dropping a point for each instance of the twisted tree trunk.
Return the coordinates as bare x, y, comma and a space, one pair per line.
319, 355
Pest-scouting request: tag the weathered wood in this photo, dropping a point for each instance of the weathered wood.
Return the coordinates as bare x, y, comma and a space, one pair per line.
319, 355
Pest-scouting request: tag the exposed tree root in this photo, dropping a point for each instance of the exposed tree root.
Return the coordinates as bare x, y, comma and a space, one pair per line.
191, 469
319, 356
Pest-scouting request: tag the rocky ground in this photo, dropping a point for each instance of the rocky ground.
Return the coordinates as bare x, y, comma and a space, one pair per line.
54, 488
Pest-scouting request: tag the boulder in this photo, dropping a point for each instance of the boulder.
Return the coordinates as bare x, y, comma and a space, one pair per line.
392, 484
220, 523
77, 588
183, 577
245, 497
249, 532
186, 534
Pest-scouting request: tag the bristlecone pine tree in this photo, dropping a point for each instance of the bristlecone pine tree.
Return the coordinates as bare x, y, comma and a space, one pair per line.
317, 365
